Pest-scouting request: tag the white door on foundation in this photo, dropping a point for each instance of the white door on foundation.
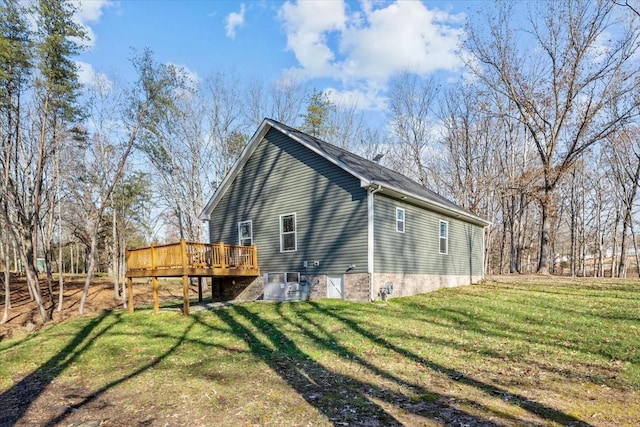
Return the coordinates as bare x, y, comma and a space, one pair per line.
334, 287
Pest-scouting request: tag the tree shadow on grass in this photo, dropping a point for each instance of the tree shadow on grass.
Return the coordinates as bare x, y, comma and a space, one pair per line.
543, 411
16, 401
343, 399
93, 396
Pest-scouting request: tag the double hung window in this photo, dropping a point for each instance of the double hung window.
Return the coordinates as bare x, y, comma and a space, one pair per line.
444, 237
400, 220
288, 233
245, 233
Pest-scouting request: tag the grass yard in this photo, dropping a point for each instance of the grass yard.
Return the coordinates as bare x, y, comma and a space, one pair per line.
547, 352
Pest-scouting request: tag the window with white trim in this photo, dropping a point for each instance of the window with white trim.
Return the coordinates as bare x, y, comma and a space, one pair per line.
245, 233
444, 237
288, 233
400, 220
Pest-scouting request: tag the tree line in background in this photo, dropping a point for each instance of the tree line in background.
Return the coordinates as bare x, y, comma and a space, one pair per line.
540, 138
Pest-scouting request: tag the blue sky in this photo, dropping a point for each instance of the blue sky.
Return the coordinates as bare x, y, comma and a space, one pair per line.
350, 48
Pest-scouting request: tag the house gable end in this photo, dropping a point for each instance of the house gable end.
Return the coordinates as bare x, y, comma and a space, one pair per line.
283, 177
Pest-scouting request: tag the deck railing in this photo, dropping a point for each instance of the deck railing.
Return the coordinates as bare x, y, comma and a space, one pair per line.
190, 255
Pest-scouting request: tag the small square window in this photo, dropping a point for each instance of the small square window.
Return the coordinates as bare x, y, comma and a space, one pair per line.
400, 220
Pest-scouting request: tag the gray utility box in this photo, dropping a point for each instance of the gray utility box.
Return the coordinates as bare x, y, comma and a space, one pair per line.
287, 291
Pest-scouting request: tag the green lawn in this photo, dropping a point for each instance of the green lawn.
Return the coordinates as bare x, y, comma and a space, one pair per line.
555, 352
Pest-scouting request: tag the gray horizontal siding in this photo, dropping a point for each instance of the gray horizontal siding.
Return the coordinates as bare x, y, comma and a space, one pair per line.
416, 251
282, 177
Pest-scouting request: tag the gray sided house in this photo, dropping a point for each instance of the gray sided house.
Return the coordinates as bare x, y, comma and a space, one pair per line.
329, 223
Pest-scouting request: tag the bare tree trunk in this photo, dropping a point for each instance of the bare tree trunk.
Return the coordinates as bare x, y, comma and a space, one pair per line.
60, 254
545, 233
635, 249
4, 246
114, 253
622, 264
90, 268
27, 257
60, 275
626, 223
614, 253
572, 228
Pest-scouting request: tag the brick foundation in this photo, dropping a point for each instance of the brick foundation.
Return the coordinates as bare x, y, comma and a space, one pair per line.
237, 289
413, 284
356, 287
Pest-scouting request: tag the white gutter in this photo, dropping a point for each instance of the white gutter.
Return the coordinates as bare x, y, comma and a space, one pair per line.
370, 239
456, 213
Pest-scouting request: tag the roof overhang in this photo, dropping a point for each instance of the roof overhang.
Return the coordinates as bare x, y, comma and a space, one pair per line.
432, 205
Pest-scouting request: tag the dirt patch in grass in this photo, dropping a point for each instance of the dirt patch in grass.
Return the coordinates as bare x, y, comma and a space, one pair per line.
24, 316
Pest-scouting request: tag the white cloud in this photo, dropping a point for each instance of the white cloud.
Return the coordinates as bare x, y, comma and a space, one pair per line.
364, 48
404, 36
362, 99
307, 25
234, 20
89, 12
87, 76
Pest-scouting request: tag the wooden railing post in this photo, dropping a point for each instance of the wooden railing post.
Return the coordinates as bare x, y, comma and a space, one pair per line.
254, 257
183, 249
153, 257
223, 255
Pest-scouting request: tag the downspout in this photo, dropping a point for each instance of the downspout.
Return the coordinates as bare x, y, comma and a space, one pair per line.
370, 241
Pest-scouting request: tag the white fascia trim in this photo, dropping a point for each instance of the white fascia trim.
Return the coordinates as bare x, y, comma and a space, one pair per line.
235, 169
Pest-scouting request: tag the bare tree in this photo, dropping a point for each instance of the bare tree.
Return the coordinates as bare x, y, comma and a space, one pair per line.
573, 93
411, 100
624, 160
192, 145
106, 158
283, 100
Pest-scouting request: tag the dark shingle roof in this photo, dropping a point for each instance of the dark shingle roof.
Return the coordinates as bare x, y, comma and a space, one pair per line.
370, 171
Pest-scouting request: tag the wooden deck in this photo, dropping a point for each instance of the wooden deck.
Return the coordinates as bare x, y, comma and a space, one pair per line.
189, 259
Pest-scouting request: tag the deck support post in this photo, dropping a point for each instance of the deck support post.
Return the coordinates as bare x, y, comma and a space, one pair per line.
199, 288
156, 298
185, 278
185, 295
130, 293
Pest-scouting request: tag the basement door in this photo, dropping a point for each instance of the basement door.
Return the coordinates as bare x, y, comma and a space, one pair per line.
334, 287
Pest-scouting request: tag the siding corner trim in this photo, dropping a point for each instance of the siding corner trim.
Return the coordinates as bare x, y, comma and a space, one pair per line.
370, 237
